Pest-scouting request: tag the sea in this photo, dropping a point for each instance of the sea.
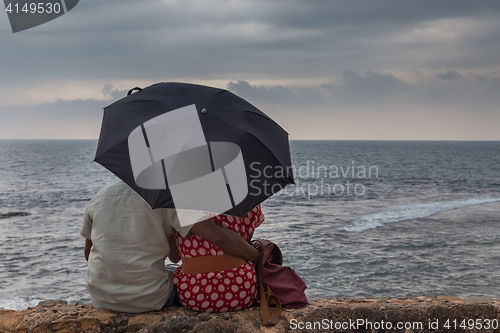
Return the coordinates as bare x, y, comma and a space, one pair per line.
365, 218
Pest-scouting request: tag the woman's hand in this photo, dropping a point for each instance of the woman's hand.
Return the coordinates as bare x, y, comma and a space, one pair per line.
256, 243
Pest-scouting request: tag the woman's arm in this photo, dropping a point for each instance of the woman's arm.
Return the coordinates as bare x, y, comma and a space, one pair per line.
227, 240
88, 246
174, 255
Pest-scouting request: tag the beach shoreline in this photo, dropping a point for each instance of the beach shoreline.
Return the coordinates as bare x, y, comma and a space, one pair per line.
427, 313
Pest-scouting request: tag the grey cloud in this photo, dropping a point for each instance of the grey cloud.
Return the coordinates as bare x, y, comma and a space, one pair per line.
276, 94
65, 109
376, 90
355, 88
371, 85
60, 109
453, 90
107, 89
58, 120
450, 75
110, 91
491, 80
370, 95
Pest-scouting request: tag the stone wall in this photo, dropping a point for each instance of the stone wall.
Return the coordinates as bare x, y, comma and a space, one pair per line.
428, 313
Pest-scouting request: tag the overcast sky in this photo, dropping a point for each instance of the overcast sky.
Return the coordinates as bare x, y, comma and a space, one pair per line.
323, 69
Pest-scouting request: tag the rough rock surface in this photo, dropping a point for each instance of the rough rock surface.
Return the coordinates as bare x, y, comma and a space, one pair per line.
429, 313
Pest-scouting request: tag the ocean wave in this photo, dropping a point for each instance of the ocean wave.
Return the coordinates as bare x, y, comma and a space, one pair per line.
400, 213
22, 303
19, 303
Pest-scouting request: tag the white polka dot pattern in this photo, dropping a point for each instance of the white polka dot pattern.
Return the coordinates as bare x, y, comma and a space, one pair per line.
223, 291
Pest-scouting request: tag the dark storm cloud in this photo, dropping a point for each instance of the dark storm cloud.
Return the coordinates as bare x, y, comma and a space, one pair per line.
162, 39
382, 13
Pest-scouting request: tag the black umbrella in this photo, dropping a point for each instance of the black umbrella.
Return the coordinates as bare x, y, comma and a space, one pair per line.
193, 147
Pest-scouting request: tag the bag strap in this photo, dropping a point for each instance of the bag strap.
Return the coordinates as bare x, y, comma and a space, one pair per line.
268, 318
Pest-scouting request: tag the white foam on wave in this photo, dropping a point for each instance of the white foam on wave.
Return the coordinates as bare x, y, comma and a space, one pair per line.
19, 303
400, 213
22, 303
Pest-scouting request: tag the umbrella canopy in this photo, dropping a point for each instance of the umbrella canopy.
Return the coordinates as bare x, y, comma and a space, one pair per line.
193, 147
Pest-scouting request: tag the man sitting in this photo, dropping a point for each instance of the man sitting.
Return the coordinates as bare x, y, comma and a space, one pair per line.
127, 243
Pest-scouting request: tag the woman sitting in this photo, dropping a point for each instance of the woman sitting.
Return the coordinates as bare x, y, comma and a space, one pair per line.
217, 272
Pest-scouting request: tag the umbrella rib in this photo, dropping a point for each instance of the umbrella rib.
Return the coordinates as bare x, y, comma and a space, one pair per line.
145, 135
148, 146
164, 173
221, 119
212, 159
228, 186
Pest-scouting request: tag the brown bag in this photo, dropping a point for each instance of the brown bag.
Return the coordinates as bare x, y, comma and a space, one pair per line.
279, 285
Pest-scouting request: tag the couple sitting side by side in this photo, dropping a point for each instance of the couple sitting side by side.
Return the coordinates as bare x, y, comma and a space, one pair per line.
127, 243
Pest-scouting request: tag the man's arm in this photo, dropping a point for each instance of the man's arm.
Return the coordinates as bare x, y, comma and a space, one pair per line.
88, 246
174, 255
227, 240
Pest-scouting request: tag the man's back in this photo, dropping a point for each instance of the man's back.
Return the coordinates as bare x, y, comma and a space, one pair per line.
126, 270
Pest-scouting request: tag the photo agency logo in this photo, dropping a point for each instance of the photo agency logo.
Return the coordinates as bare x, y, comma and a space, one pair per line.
170, 151
314, 179
28, 14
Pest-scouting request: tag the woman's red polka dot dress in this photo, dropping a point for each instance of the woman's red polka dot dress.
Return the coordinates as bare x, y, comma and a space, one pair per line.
221, 291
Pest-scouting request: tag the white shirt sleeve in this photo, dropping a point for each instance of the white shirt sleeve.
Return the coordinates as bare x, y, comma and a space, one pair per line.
86, 230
